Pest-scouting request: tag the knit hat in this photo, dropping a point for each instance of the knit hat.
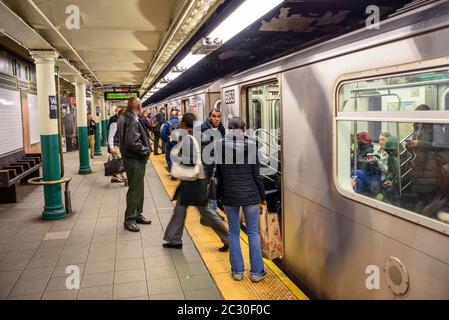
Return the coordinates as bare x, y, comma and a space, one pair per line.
364, 137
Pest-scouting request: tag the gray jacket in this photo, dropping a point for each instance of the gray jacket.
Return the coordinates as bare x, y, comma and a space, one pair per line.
134, 142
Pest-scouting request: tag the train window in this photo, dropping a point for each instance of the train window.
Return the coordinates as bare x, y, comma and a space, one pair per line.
6, 64
397, 158
256, 115
395, 93
446, 102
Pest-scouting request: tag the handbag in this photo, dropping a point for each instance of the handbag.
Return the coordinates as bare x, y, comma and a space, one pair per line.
185, 172
113, 166
270, 235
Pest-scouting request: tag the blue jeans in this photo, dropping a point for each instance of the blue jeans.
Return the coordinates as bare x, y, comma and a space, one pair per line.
252, 213
168, 147
367, 183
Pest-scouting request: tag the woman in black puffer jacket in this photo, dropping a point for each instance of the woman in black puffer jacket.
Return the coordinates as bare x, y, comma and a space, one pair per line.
241, 186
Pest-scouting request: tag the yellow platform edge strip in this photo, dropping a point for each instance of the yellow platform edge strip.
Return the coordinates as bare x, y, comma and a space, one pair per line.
278, 272
280, 275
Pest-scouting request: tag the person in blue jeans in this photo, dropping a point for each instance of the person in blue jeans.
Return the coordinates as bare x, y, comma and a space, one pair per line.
166, 131
241, 186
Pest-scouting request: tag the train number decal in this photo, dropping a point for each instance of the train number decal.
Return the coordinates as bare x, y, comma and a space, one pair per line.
229, 96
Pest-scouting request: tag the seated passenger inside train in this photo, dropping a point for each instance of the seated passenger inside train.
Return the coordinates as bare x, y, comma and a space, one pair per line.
366, 175
382, 155
397, 181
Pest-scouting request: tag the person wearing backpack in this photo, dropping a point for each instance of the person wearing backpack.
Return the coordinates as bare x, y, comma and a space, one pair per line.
166, 135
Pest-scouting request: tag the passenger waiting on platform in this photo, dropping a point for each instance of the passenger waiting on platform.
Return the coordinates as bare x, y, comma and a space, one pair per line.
135, 149
160, 120
190, 193
242, 187
212, 132
166, 134
143, 117
114, 143
92, 128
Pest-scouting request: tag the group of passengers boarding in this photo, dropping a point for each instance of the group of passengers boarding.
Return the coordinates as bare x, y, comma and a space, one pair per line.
238, 182
412, 174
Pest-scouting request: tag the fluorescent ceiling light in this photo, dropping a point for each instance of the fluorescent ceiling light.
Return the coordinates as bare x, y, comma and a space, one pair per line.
172, 75
190, 60
245, 15
249, 12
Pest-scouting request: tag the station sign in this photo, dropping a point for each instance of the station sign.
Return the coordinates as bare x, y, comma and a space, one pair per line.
119, 96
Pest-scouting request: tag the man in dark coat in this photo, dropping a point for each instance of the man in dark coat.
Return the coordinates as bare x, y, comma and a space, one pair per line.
135, 149
160, 120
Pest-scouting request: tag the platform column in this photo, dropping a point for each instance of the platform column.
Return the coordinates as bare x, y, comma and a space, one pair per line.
81, 117
97, 117
104, 123
51, 164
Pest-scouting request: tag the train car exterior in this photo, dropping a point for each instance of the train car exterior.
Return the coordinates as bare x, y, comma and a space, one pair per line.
341, 243
198, 101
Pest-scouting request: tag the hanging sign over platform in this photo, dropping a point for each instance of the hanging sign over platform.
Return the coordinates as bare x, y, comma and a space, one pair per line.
115, 96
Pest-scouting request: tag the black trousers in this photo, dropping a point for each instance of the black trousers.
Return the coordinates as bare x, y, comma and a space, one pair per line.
157, 138
135, 171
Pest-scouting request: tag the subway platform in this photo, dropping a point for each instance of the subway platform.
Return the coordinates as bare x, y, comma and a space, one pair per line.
114, 263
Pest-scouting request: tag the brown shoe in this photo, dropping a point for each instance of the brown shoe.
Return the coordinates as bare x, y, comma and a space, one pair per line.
116, 180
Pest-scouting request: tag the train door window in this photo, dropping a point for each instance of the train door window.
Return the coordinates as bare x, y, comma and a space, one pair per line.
256, 114
263, 119
184, 106
446, 102
393, 145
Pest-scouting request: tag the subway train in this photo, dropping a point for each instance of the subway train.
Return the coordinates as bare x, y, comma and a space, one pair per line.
354, 225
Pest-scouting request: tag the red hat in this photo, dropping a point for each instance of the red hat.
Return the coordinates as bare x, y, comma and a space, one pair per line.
364, 137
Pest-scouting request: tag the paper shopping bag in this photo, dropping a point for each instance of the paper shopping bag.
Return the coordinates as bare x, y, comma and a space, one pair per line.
270, 235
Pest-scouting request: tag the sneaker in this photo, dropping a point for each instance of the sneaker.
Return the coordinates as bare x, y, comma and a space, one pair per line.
224, 248
237, 276
258, 277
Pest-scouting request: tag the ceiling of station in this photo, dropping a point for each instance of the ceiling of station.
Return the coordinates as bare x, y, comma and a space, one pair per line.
116, 41
291, 27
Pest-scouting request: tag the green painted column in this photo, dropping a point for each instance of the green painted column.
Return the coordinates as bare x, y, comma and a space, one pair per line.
104, 123
97, 118
81, 111
104, 130
51, 164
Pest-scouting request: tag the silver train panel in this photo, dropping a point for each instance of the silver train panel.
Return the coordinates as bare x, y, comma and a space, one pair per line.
330, 240
331, 254
342, 237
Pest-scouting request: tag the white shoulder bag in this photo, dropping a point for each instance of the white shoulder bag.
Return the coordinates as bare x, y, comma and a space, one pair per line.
188, 173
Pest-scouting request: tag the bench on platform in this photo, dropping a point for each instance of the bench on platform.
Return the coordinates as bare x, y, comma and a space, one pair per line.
17, 166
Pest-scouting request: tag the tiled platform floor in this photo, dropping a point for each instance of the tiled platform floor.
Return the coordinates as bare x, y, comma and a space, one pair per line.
113, 263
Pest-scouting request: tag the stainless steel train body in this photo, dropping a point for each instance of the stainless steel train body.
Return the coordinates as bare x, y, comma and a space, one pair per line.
198, 101
339, 244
